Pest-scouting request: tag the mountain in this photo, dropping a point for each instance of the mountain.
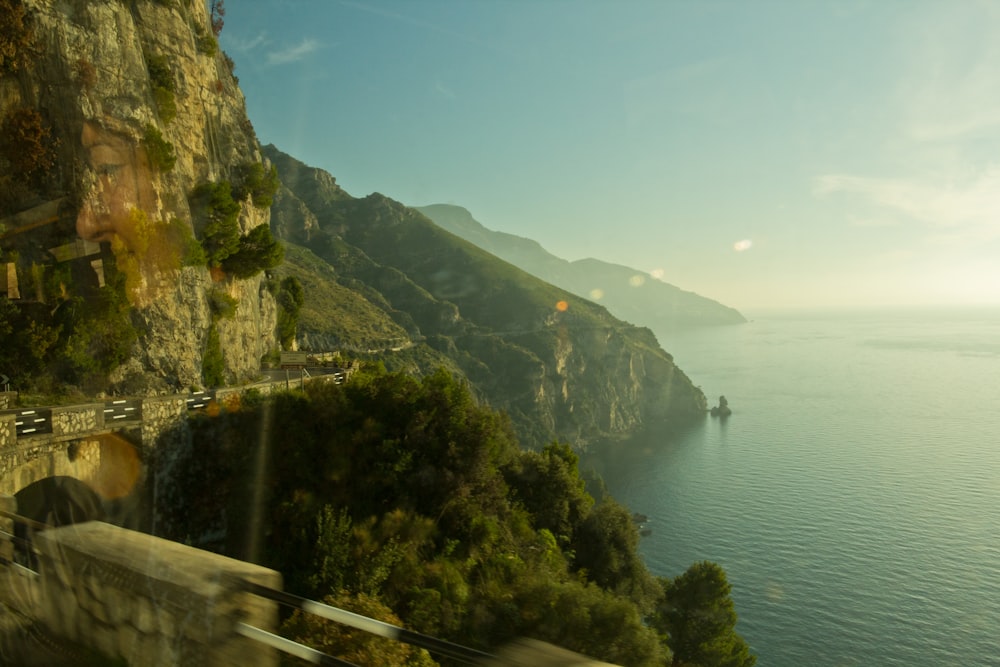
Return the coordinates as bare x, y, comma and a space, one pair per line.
560, 366
627, 293
137, 216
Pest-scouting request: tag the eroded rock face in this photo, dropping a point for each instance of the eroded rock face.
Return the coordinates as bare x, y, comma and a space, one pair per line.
90, 79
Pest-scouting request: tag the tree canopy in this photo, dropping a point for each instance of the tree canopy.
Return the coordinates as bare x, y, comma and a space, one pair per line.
698, 615
405, 496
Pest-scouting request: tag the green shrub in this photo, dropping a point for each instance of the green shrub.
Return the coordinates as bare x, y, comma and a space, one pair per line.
290, 298
207, 43
161, 79
16, 35
220, 231
180, 236
258, 183
160, 151
223, 305
230, 65
257, 251
27, 337
27, 143
98, 332
213, 364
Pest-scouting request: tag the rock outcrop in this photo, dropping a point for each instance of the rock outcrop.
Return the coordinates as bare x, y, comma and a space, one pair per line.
116, 84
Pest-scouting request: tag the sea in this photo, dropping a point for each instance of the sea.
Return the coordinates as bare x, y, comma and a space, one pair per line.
853, 496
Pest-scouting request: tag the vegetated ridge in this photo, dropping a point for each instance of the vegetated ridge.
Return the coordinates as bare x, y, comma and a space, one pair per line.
630, 294
561, 366
405, 500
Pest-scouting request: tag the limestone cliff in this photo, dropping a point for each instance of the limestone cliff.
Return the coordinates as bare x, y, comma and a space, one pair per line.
119, 86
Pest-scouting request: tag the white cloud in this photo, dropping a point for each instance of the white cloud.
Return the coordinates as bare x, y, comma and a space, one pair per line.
247, 45
293, 53
969, 209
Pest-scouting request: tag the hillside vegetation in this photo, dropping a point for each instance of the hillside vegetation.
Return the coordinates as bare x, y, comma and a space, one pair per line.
406, 499
559, 365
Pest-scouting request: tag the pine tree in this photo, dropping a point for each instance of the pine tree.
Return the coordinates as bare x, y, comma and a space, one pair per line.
699, 618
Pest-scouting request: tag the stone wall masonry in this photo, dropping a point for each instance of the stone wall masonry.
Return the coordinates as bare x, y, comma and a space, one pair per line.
151, 601
7, 399
77, 419
7, 435
160, 414
25, 462
31, 459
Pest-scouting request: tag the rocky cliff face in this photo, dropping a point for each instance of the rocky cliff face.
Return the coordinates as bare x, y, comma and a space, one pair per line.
115, 84
561, 366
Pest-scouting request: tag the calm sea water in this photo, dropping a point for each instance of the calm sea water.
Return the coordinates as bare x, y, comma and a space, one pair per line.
854, 495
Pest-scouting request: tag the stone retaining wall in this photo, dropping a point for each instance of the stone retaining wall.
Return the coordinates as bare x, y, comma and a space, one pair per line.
7, 434
77, 419
151, 601
159, 415
7, 399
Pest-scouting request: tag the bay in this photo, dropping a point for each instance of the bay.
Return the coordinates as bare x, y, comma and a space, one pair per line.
853, 497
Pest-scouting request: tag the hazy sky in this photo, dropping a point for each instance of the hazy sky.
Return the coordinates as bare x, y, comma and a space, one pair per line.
759, 153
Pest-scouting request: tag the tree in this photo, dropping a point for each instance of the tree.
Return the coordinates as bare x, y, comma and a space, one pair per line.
606, 543
549, 486
256, 182
255, 251
220, 234
290, 299
217, 11
160, 151
213, 364
26, 142
699, 618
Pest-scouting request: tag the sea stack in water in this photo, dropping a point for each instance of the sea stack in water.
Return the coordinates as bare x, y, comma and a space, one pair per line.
722, 409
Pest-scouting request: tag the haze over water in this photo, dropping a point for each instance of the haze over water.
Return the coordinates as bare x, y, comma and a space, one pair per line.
853, 496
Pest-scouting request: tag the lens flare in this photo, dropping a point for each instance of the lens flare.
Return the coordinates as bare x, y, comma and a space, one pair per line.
119, 468
561, 306
657, 273
745, 244
638, 280
597, 294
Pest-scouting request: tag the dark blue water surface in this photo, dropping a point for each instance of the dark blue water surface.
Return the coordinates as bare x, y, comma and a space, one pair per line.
854, 495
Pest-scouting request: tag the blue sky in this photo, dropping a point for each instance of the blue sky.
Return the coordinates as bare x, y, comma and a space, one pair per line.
765, 154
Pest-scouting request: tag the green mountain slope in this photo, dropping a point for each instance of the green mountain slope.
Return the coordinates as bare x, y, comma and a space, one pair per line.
560, 366
628, 293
